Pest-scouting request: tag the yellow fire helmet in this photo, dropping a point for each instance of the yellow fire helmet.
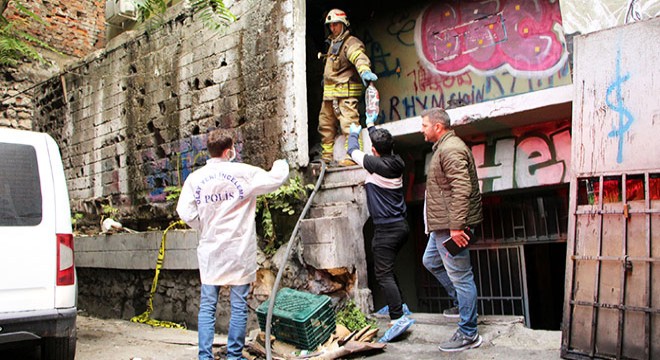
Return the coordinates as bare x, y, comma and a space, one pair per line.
336, 15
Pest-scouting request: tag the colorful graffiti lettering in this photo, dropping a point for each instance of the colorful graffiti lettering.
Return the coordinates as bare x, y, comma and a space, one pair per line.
524, 38
173, 170
431, 90
625, 117
401, 108
532, 159
424, 80
189, 154
163, 171
407, 80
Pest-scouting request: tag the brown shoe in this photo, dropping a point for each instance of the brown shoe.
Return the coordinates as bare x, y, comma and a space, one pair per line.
347, 162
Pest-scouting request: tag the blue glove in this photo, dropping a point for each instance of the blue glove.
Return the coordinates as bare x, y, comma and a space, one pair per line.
355, 129
371, 119
368, 76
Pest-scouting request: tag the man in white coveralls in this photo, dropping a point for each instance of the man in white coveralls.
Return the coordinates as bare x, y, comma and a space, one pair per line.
219, 201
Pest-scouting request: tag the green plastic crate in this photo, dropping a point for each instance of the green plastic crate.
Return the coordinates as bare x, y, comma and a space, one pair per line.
299, 318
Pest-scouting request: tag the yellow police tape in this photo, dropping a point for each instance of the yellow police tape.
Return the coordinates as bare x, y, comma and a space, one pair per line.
145, 318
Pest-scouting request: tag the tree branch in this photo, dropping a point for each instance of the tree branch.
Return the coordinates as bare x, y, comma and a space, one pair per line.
3, 7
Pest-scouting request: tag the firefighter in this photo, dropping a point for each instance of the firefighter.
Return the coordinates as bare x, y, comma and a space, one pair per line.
347, 70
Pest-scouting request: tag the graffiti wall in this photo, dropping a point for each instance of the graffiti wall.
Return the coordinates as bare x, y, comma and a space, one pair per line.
522, 157
187, 156
527, 157
455, 53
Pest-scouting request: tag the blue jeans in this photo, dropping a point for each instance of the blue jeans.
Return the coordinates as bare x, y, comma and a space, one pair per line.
237, 322
433, 262
459, 271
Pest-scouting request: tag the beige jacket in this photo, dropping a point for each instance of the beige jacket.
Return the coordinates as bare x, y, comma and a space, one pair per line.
453, 199
341, 76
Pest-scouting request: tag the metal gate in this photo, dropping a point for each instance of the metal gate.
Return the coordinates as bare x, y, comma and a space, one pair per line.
499, 277
498, 258
612, 303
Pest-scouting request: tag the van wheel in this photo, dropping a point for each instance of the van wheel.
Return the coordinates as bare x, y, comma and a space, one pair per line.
59, 348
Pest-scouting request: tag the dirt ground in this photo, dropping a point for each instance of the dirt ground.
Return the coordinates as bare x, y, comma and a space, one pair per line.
504, 338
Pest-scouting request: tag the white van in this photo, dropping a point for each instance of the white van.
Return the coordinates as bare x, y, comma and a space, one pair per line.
38, 286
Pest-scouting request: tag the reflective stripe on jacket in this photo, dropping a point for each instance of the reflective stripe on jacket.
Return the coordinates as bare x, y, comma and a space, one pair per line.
219, 201
341, 76
453, 199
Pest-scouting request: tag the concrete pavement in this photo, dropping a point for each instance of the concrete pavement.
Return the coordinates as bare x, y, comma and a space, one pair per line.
503, 338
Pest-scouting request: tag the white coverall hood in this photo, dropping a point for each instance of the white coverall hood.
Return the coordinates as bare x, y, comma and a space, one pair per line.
219, 201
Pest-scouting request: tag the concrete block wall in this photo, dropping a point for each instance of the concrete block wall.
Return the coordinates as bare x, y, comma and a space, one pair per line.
137, 251
116, 271
133, 119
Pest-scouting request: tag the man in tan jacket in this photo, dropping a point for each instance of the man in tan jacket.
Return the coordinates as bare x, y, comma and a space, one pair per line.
347, 70
452, 204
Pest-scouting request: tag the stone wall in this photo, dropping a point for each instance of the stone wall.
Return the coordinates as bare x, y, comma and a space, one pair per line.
74, 28
122, 294
133, 119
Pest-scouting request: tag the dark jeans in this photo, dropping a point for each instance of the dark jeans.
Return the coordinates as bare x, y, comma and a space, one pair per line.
388, 240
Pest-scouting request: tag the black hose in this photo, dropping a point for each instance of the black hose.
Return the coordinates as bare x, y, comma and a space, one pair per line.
278, 278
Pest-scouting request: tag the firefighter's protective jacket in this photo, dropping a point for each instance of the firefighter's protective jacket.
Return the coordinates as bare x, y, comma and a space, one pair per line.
341, 76
219, 201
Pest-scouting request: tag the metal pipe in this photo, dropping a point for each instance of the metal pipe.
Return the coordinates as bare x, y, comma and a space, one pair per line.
273, 293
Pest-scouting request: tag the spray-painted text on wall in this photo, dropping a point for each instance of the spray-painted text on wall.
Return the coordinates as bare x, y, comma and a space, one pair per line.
530, 159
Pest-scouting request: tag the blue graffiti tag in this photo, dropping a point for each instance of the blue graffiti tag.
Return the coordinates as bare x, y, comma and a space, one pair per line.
619, 107
379, 58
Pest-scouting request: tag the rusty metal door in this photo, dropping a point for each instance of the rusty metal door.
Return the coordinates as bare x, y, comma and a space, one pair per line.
612, 297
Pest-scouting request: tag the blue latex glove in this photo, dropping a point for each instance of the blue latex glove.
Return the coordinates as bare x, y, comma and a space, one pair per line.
371, 119
368, 76
355, 129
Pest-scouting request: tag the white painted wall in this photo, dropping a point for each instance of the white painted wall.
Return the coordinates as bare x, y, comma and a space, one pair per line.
616, 112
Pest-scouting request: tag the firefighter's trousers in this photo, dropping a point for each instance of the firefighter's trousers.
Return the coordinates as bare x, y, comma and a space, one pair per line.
348, 114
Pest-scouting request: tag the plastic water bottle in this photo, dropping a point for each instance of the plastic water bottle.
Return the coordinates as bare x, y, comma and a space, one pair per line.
372, 101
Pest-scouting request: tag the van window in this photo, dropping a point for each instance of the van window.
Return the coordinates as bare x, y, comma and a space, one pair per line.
20, 187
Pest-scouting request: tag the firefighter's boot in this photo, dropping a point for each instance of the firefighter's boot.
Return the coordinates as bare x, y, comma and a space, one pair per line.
348, 161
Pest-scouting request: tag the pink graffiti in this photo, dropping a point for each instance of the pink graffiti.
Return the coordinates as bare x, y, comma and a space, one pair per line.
522, 37
424, 80
532, 159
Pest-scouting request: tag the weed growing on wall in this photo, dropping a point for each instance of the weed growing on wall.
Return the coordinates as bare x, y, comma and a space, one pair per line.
172, 193
286, 201
213, 13
75, 218
108, 212
16, 44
